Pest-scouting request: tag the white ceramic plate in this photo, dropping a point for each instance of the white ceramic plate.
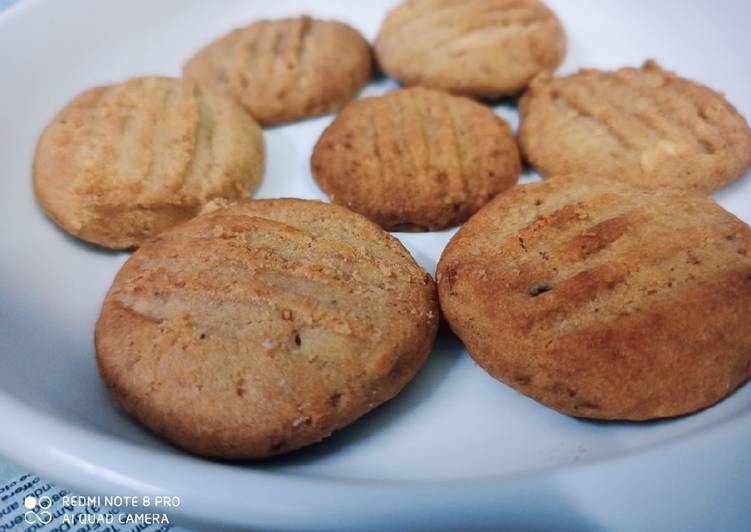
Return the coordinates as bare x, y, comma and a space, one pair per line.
456, 448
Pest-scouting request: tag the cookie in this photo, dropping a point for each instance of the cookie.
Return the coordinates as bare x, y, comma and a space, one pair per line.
415, 159
262, 327
284, 70
481, 48
121, 163
604, 300
642, 125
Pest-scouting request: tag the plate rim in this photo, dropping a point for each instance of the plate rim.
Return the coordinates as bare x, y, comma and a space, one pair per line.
354, 499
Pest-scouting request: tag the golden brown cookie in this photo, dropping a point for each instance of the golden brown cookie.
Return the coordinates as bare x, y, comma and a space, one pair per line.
604, 300
482, 48
284, 70
121, 163
263, 327
415, 159
643, 125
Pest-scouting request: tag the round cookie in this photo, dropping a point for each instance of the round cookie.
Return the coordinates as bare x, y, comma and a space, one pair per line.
284, 70
604, 300
642, 125
262, 327
121, 163
415, 159
481, 48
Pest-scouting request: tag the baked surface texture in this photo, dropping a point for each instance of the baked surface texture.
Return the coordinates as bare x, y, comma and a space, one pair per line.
481, 48
121, 163
603, 300
287, 69
642, 125
415, 159
262, 327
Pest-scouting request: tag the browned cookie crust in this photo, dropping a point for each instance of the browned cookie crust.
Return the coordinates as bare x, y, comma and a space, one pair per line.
416, 159
263, 327
643, 125
123, 162
284, 70
602, 300
483, 48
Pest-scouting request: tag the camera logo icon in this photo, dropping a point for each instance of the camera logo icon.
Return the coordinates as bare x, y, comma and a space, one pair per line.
37, 510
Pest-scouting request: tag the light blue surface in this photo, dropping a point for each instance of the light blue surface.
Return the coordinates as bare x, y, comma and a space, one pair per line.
7, 471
